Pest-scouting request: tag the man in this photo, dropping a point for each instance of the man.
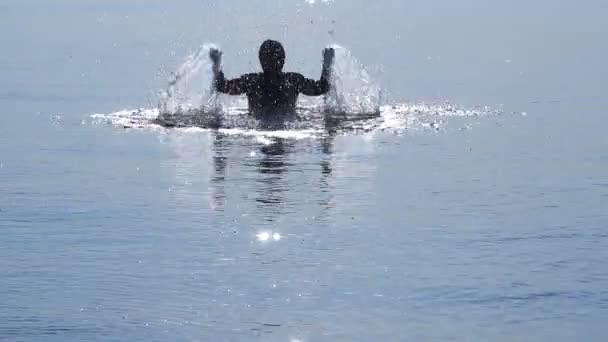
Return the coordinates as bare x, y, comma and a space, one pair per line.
272, 91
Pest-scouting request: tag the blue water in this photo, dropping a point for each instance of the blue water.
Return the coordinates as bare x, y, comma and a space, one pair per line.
489, 228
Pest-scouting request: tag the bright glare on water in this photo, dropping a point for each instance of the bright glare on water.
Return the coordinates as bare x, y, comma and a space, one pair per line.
452, 186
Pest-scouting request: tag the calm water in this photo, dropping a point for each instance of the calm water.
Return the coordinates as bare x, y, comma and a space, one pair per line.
491, 228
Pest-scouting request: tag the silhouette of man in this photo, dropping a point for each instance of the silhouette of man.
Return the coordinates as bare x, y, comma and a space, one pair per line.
272, 91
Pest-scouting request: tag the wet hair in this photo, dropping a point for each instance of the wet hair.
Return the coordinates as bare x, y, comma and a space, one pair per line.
272, 56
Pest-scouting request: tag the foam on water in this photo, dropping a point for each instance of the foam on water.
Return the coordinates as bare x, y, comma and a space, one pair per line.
395, 118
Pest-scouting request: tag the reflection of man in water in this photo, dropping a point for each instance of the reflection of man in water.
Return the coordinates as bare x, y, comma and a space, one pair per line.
272, 91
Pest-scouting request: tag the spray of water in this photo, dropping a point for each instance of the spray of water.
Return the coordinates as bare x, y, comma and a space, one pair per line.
189, 87
353, 91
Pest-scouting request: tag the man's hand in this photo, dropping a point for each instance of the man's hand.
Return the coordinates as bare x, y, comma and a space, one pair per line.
328, 57
216, 58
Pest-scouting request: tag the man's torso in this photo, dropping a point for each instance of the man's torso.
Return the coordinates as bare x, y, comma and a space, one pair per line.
275, 94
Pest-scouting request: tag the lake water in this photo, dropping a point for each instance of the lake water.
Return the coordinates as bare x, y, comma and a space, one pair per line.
486, 223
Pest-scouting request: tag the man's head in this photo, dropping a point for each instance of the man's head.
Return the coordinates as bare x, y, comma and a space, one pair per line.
272, 56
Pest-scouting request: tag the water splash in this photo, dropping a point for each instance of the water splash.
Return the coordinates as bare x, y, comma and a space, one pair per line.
353, 105
353, 91
189, 87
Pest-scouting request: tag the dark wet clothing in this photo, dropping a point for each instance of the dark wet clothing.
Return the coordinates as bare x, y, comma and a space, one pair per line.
272, 93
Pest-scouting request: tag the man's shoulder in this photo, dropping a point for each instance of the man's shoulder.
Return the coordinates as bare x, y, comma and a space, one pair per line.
251, 77
294, 76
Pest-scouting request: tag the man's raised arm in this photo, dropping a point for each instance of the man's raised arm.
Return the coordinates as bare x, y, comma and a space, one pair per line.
320, 87
236, 86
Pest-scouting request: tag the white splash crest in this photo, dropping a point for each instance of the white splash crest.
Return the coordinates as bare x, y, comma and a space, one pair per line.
353, 90
186, 88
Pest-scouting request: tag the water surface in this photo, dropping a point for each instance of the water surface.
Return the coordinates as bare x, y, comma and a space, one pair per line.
483, 227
